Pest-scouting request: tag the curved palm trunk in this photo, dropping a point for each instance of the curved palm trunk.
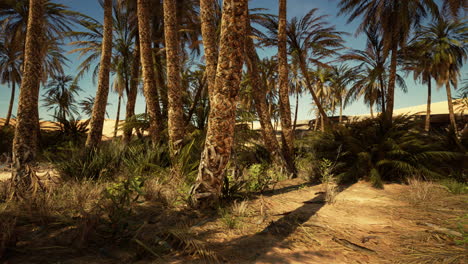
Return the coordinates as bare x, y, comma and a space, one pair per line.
10, 106
222, 117
314, 95
391, 84
100, 103
382, 93
259, 96
132, 94
453, 122
285, 107
208, 30
25, 140
147, 65
295, 113
117, 118
174, 89
427, 126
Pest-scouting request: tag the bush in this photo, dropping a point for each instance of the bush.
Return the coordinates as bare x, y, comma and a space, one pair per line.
372, 150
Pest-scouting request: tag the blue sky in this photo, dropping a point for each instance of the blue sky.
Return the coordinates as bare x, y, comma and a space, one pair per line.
415, 96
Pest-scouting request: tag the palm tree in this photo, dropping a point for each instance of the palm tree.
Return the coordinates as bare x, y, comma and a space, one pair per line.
394, 20
176, 115
118, 87
10, 70
99, 108
60, 96
310, 39
259, 97
340, 78
373, 63
149, 80
285, 107
446, 40
25, 140
221, 123
210, 40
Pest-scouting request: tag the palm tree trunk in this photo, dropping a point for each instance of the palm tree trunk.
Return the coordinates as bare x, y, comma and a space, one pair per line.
372, 110
10, 106
222, 117
391, 84
208, 30
132, 95
100, 103
453, 122
147, 65
25, 140
117, 118
341, 111
382, 93
285, 107
317, 118
259, 96
296, 110
174, 89
427, 126
161, 85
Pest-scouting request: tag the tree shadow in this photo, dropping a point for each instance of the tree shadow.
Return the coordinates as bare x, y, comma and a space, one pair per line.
277, 231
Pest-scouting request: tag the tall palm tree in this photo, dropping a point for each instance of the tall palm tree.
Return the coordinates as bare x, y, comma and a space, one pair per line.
10, 69
285, 107
447, 41
373, 64
176, 124
149, 80
221, 123
259, 97
394, 20
310, 39
210, 40
99, 108
25, 140
133, 91
118, 87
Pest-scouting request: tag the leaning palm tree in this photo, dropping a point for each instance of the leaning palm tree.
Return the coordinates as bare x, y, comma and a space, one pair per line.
447, 42
221, 123
176, 124
25, 140
394, 19
99, 108
10, 69
310, 39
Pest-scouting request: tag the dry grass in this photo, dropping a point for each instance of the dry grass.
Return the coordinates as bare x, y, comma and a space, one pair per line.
423, 192
435, 255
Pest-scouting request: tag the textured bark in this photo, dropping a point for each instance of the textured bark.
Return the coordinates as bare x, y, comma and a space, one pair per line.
453, 122
285, 108
147, 65
176, 123
117, 118
133, 91
10, 106
427, 126
208, 30
391, 84
222, 117
295, 113
382, 93
161, 83
371, 110
341, 112
25, 140
259, 96
100, 102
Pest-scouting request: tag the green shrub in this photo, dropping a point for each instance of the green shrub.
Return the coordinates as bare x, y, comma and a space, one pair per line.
375, 151
454, 186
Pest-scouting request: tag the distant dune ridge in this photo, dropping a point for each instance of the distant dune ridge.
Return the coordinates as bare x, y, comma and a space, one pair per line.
436, 108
